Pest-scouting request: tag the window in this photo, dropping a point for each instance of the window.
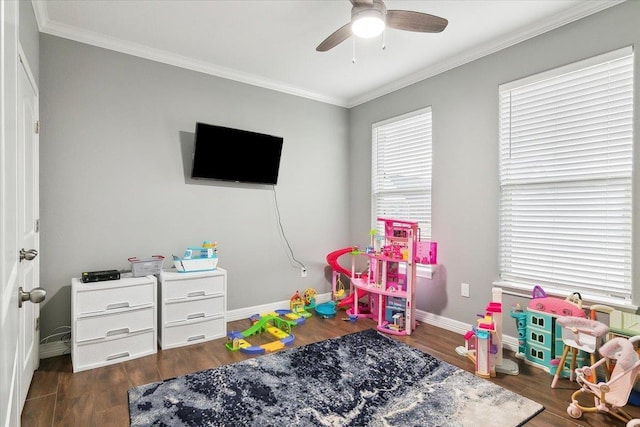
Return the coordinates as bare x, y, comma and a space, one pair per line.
566, 146
401, 170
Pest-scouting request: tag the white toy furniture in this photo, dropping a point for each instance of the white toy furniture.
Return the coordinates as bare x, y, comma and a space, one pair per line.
578, 334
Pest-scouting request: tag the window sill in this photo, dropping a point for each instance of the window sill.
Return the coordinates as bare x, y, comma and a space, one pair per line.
524, 291
426, 271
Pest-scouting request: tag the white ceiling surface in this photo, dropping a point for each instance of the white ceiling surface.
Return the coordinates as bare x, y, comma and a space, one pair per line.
272, 43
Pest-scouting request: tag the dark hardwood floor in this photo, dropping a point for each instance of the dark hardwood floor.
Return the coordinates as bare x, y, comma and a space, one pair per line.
98, 397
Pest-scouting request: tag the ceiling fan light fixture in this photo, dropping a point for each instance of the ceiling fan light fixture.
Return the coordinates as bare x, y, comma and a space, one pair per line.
370, 17
367, 23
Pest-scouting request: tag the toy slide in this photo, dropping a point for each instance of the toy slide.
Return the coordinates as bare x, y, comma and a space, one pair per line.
347, 301
332, 260
273, 325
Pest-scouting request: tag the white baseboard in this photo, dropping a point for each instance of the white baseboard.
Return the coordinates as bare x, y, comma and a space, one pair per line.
58, 348
508, 342
245, 313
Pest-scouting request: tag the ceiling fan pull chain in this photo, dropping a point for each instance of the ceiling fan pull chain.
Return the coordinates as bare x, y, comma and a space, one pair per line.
369, 18
353, 59
384, 40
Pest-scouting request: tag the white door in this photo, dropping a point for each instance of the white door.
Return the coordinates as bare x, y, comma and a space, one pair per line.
9, 259
28, 237
19, 274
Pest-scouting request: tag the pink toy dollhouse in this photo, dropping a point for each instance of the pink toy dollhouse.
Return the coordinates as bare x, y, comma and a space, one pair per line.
391, 279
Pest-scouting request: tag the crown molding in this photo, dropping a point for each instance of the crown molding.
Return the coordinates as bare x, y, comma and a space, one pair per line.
46, 26
585, 9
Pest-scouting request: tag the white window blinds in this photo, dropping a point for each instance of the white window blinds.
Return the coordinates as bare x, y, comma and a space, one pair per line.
401, 170
566, 141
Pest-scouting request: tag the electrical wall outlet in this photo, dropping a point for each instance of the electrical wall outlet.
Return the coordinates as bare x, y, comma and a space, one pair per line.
464, 289
303, 272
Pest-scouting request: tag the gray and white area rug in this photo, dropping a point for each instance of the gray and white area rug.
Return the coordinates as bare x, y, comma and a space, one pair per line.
360, 379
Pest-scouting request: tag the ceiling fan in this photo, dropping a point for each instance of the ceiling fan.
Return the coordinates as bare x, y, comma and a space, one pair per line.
369, 18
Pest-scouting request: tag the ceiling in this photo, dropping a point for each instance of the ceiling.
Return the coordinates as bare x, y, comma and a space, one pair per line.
272, 44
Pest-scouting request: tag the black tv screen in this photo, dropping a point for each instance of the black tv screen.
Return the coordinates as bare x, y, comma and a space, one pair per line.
235, 155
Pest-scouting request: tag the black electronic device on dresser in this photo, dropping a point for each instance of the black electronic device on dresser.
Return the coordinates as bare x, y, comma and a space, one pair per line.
100, 276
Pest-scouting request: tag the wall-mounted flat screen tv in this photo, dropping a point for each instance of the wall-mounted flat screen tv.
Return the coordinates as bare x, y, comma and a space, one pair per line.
227, 154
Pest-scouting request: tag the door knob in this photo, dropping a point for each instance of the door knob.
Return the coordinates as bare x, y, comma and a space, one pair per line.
28, 255
36, 296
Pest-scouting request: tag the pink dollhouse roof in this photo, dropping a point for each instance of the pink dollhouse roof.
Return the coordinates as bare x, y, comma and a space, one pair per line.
494, 307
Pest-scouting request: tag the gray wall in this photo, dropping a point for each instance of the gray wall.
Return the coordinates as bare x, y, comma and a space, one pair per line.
117, 134
465, 154
116, 143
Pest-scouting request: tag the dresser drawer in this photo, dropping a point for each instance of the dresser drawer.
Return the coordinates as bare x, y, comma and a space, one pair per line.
114, 350
110, 325
193, 308
193, 331
192, 287
106, 299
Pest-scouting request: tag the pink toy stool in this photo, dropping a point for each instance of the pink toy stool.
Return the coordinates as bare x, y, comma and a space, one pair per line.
578, 334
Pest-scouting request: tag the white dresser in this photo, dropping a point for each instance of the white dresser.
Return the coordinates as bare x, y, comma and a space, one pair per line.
191, 307
112, 321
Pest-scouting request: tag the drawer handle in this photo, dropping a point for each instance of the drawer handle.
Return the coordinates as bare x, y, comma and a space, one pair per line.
195, 294
117, 331
118, 356
116, 305
196, 337
195, 316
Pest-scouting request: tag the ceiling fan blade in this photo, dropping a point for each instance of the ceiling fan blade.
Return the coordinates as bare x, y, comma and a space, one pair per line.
415, 21
335, 38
